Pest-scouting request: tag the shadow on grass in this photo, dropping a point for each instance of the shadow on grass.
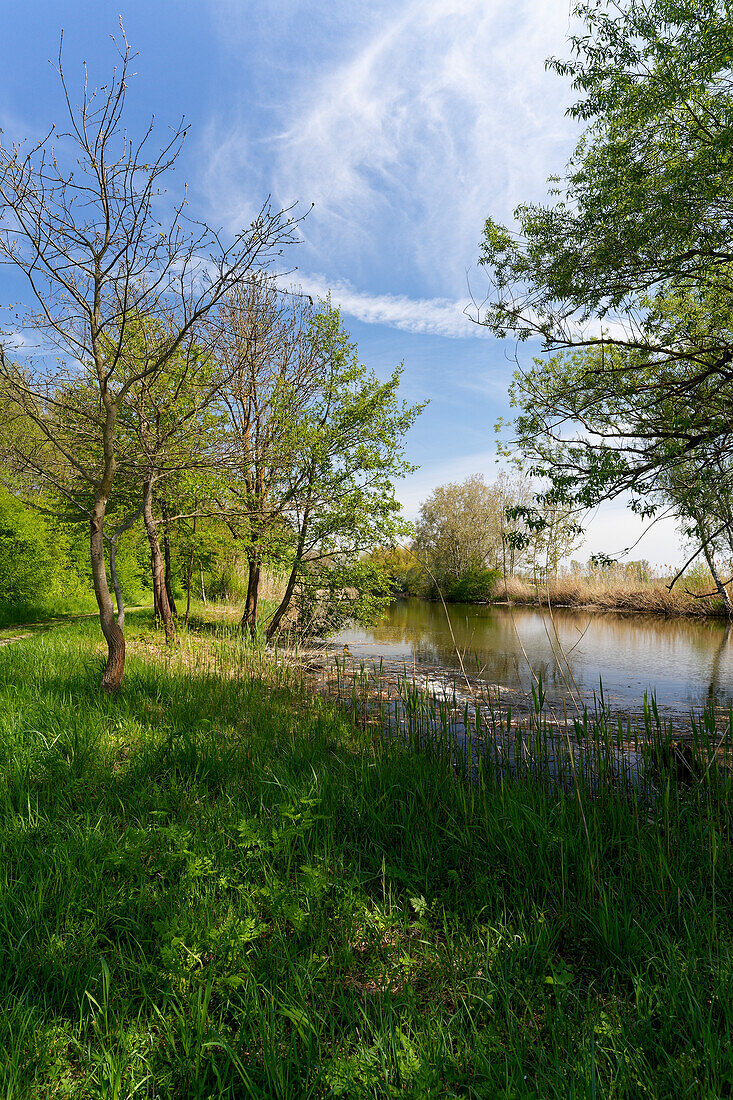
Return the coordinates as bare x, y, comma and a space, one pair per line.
217, 887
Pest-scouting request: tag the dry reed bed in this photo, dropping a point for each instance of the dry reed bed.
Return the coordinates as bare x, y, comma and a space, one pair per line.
653, 597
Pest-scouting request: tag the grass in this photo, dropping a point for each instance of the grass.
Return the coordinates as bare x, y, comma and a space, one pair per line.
215, 886
41, 610
602, 593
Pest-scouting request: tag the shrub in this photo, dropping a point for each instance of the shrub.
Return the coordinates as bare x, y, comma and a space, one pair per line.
476, 586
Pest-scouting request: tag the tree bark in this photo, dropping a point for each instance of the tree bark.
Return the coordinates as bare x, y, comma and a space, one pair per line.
162, 607
277, 618
299, 551
249, 619
167, 559
115, 666
115, 581
724, 595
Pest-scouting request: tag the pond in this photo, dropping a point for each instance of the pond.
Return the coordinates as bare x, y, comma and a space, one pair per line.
686, 663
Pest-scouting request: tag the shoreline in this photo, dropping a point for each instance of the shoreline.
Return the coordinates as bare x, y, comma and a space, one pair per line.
658, 602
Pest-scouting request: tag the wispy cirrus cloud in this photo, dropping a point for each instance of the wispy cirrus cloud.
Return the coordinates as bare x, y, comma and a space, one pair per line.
404, 133
433, 316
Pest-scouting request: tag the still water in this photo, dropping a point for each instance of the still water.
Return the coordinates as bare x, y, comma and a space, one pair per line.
686, 663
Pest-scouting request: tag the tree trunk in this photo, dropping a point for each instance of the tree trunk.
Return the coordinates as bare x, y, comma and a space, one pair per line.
167, 558
189, 572
162, 607
284, 602
290, 587
115, 666
724, 595
249, 619
115, 581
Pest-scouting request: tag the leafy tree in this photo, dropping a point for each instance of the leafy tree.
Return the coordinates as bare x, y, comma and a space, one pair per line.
703, 505
267, 360
468, 533
32, 562
81, 222
403, 575
460, 529
315, 442
341, 501
168, 432
627, 275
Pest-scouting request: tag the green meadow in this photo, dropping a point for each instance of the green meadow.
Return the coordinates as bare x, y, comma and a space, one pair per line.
216, 885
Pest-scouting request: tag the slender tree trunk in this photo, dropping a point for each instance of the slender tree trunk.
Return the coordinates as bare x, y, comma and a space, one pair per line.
249, 619
298, 561
162, 607
167, 558
282, 609
189, 574
115, 582
724, 595
189, 571
115, 666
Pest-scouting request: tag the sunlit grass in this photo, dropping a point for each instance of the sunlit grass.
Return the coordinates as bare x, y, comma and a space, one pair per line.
39, 610
216, 886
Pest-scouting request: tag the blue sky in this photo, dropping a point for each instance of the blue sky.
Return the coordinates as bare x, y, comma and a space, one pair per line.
404, 123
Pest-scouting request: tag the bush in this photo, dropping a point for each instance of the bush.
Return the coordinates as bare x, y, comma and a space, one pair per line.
476, 586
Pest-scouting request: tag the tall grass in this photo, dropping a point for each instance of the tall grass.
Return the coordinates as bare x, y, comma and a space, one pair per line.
215, 885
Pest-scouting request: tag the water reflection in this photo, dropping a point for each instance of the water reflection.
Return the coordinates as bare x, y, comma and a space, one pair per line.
685, 662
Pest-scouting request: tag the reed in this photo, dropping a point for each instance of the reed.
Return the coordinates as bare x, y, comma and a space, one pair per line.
600, 593
219, 884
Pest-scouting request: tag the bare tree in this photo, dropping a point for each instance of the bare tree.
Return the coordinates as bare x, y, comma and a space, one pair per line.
168, 429
80, 219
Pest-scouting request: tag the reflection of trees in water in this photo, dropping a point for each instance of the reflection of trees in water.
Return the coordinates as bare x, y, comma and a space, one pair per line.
501, 667
486, 638
692, 653
697, 634
714, 688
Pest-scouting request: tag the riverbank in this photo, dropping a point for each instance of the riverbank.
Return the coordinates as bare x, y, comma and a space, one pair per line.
690, 598
217, 885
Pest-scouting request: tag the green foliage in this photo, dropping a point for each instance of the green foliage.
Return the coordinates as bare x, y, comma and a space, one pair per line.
474, 586
460, 529
401, 574
31, 564
350, 451
631, 263
468, 533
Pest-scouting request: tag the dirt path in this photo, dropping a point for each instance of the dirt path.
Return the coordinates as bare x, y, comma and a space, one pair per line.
13, 637
9, 634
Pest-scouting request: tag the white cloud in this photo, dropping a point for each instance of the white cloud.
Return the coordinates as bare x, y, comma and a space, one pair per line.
434, 316
409, 134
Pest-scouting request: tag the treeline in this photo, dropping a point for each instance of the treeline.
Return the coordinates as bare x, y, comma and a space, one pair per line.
175, 401
474, 542
270, 450
469, 534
